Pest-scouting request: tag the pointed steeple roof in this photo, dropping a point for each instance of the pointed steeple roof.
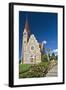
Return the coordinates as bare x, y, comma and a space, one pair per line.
26, 25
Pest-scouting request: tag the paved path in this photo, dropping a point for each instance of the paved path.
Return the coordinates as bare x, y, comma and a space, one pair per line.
53, 72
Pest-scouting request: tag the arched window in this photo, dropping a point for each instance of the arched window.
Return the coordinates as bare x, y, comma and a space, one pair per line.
31, 59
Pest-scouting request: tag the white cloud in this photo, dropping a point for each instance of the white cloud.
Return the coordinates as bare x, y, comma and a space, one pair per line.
55, 50
44, 42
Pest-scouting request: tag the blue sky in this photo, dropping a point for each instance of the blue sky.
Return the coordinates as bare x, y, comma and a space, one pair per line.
42, 25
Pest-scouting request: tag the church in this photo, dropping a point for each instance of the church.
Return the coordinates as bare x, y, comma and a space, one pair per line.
31, 48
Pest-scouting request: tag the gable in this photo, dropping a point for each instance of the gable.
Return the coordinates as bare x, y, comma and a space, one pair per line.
33, 44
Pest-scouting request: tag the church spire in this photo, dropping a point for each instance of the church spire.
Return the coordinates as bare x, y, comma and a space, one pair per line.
26, 25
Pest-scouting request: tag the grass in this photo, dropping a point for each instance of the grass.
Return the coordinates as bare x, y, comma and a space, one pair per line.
24, 67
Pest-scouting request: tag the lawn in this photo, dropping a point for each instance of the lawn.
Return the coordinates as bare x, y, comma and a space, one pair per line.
24, 67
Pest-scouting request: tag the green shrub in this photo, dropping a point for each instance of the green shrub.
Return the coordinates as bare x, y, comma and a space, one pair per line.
44, 58
36, 70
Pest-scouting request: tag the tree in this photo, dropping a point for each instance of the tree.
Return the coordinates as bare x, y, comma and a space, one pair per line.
19, 61
53, 57
44, 58
53, 54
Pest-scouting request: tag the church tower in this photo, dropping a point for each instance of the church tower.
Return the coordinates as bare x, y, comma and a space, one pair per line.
26, 34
